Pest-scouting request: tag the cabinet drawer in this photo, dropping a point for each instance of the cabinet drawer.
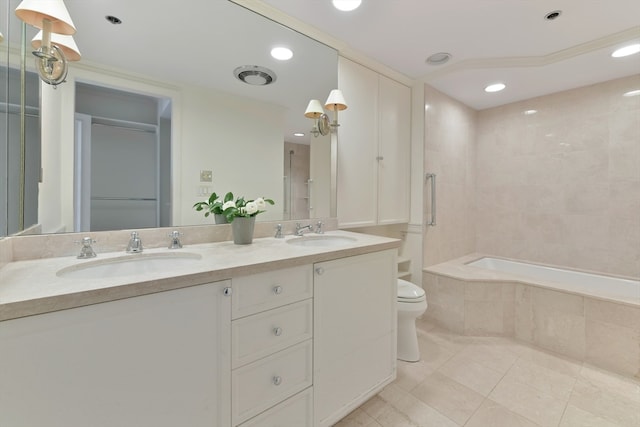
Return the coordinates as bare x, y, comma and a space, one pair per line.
264, 291
257, 336
296, 411
266, 382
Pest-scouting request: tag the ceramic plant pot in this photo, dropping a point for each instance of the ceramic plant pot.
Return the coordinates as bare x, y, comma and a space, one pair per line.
220, 219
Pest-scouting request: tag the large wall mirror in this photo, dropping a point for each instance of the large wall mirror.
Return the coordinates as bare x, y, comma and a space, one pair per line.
177, 63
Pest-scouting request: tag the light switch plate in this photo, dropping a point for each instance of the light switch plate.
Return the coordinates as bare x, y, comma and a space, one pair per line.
206, 176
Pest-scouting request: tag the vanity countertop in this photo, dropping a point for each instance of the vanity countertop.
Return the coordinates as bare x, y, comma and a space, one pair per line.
33, 286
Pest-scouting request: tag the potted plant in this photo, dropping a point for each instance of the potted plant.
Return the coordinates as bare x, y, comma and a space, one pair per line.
242, 213
215, 205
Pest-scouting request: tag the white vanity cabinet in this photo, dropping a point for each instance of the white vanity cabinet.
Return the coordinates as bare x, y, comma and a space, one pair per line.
155, 360
354, 332
373, 148
271, 348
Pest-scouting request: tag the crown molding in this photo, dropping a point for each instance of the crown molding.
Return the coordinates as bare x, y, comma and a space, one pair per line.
536, 61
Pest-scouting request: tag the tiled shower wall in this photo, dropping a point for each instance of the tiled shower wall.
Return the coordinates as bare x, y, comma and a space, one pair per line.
450, 128
562, 186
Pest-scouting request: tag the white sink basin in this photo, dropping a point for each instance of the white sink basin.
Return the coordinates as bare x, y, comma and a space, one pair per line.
322, 241
131, 265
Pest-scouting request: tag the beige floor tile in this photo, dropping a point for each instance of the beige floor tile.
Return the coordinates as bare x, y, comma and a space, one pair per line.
410, 374
600, 401
545, 380
553, 361
487, 355
357, 418
472, 374
448, 397
529, 402
374, 407
576, 417
422, 414
492, 414
610, 382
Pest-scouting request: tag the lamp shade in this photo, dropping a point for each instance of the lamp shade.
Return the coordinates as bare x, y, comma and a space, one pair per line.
314, 109
65, 43
33, 12
1, 37
336, 101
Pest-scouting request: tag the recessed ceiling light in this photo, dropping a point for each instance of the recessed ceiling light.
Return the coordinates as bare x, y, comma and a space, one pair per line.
496, 87
530, 112
281, 53
113, 19
298, 134
346, 5
626, 51
553, 15
632, 93
438, 58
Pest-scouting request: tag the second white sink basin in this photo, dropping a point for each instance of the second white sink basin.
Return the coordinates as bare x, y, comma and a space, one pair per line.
131, 265
322, 241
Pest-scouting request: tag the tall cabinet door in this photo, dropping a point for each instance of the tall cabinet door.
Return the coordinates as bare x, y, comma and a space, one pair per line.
373, 148
354, 332
394, 120
357, 146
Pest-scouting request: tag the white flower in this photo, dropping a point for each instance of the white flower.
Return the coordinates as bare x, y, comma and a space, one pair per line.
229, 204
260, 203
251, 207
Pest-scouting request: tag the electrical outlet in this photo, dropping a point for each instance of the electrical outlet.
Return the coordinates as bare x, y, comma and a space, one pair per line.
206, 176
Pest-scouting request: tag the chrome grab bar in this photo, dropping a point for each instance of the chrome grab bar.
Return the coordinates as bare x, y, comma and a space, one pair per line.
432, 177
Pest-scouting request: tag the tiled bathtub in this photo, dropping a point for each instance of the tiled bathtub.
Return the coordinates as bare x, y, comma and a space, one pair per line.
588, 325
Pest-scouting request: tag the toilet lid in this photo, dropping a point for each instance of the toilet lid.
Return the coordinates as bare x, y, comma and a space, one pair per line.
407, 290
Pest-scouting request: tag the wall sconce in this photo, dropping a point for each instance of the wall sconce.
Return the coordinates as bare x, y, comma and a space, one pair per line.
334, 103
52, 17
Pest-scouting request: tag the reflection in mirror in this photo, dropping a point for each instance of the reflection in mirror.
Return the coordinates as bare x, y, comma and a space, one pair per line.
219, 124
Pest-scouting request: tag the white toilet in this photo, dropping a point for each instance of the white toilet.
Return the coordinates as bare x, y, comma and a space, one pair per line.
412, 302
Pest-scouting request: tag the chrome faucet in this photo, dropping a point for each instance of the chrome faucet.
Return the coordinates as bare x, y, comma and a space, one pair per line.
135, 244
278, 232
300, 229
319, 229
175, 240
86, 251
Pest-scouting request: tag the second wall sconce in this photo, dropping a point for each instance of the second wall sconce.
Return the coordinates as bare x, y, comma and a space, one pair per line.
314, 110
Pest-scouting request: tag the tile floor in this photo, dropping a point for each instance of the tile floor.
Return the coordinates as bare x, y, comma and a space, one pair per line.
497, 382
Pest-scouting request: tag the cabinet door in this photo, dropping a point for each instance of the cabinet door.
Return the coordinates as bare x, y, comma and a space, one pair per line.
155, 360
357, 146
394, 145
354, 332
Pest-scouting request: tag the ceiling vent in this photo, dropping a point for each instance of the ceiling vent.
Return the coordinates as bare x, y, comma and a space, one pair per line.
255, 75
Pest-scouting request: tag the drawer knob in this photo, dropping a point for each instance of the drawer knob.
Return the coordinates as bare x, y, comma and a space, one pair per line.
277, 290
277, 331
319, 271
277, 380
227, 291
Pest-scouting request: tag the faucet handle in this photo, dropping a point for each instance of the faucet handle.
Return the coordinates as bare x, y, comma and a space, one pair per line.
319, 229
135, 243
278, 232
175, 240
86, 251
86, 241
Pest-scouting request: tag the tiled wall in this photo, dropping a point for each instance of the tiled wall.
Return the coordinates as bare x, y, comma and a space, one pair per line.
450, 154
603, 333
562, 186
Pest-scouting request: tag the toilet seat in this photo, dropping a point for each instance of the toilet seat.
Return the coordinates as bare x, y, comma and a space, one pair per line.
410, 293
